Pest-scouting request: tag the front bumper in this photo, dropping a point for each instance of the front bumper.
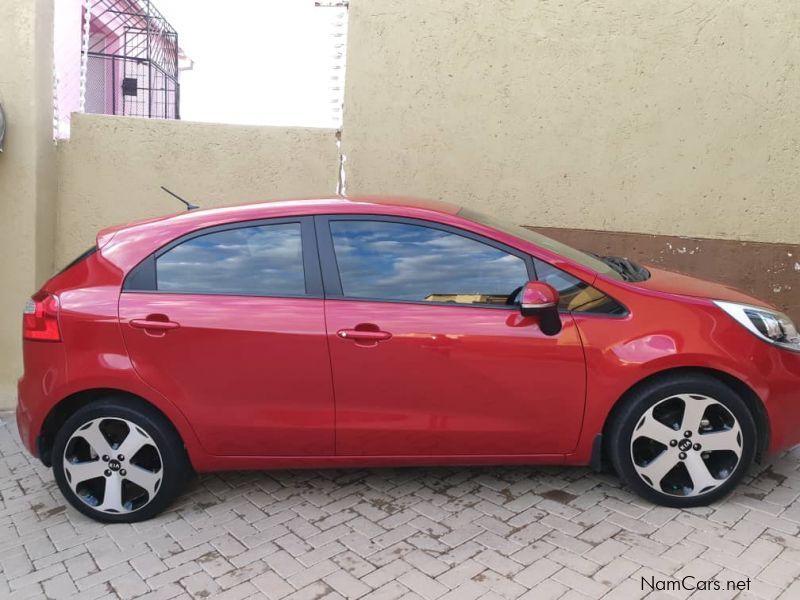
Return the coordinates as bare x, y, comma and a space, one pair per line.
780, 376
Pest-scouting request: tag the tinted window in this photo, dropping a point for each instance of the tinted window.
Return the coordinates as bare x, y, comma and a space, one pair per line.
399, 261
542, 241
576, 295
265, 260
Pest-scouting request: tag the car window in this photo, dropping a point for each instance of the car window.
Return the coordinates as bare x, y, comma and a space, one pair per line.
405, 262
523, 233
265, 260
576, 295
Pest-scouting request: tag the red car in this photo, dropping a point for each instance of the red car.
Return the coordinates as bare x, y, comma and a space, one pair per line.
354, 332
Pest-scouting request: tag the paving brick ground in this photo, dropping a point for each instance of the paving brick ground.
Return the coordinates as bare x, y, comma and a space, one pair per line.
451, 533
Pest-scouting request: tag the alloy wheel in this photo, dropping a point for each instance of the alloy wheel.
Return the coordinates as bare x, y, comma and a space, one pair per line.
686, 445
113, 465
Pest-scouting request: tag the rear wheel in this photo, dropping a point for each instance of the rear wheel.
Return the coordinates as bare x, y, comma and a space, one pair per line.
683, 441
119, 461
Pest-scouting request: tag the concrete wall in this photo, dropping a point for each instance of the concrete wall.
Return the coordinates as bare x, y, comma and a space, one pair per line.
27, 171
618, 125
111, 170
642, 116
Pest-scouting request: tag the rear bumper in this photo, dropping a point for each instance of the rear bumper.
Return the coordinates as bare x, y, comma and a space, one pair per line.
26, 419
45, 372
24, 426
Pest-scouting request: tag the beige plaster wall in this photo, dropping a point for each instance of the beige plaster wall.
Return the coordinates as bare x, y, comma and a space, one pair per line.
27, 172
677, 117
111, 170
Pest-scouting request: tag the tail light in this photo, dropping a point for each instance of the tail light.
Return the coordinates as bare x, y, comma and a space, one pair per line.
40, 318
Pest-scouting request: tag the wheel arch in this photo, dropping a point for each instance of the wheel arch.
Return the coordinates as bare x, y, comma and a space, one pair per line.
753, 402
62, 411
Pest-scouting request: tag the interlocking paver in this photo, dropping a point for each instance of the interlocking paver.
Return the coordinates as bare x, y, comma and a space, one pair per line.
371, 534
60, 586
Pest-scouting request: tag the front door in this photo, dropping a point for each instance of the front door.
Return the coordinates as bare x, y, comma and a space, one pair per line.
229, 326
429, 354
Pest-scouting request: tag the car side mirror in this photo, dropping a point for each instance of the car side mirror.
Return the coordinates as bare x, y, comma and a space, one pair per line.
539, 299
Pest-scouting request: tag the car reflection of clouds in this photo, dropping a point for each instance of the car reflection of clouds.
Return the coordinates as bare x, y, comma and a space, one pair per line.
410, 262
645, 349
263, 260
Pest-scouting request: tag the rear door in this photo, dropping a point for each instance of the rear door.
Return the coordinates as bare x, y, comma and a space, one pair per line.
228, 323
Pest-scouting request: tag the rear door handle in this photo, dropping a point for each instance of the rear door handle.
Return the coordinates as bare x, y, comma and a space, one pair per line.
152, 324
363, 335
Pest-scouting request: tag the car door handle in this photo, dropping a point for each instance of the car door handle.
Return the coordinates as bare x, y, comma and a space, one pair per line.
363, 335
153, 324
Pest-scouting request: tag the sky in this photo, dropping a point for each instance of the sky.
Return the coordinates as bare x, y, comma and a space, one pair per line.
258, 62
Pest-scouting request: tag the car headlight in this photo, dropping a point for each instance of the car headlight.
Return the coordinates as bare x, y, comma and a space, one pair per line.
771, 326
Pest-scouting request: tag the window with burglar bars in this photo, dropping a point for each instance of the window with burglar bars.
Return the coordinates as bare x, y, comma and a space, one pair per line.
131, 55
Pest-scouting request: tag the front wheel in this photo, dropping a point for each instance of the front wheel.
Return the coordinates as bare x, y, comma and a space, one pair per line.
119, 461
683, 441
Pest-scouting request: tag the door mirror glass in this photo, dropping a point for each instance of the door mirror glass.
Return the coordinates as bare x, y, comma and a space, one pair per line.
539, 299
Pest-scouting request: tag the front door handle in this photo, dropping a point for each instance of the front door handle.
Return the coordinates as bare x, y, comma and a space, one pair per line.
363, 335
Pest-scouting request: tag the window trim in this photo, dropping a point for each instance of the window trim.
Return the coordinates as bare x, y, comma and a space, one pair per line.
565, 311
143, 277
331, 276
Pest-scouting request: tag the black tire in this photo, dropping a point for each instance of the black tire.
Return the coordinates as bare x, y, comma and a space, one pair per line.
632, 414
174, 471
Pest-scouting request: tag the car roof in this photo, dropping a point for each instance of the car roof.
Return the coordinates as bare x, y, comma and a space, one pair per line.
291, 207
338, 203
132, 242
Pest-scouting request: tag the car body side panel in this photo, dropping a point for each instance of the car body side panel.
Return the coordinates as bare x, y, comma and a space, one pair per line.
92, 355
667, 328
251, 373
454, 380
660, 335
44, 377
209, 463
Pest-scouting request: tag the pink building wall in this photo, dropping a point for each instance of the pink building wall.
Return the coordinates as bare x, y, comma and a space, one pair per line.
68, 43
67, 39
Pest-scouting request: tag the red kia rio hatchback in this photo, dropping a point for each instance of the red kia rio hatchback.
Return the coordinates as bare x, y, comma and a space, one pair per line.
355, 332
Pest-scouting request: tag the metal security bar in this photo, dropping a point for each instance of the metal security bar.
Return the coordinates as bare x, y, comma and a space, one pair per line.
131, 61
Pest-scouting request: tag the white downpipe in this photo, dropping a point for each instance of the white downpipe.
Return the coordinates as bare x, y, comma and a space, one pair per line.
87, 16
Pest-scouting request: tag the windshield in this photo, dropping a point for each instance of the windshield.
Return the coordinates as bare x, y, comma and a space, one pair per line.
587, 260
